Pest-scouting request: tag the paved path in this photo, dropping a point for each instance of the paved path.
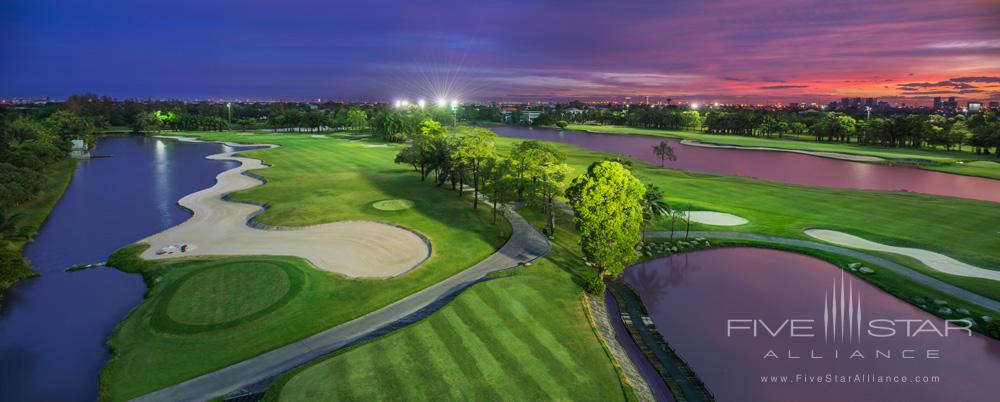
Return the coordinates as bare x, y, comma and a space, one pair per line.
525, 244
909, 273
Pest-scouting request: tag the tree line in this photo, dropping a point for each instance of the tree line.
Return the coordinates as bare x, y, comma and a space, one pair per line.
611, 208
31, 142
980, 132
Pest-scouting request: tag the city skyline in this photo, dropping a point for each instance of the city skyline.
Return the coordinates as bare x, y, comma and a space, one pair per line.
726, 51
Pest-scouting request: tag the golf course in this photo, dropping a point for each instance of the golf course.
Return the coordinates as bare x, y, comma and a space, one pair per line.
173, 337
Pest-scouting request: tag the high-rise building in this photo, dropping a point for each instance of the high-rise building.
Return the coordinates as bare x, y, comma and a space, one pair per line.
974, 106
845, 102
870, 101
937, 102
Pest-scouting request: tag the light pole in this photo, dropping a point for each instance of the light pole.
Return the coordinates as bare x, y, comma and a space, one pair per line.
868, 109
229, 110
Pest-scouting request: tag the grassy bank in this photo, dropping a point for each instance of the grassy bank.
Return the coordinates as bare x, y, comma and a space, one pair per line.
962, 229
196, 317
26, 219
939, 160
524, 336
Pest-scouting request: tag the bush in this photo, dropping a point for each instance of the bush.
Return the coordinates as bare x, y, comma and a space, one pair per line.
595, 286
13, 267
562, 123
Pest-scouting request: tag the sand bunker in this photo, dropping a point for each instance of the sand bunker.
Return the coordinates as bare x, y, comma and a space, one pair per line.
320, 136
716, 218
831, 155
218, 227
931, 259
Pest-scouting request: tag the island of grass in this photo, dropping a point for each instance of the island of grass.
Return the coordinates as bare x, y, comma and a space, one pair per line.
939, 160
164, 342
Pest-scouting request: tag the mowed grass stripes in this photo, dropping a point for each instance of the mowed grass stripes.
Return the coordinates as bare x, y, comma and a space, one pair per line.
524, 337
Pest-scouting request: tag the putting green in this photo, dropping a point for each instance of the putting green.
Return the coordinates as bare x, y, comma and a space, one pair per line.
397, 204
225, 295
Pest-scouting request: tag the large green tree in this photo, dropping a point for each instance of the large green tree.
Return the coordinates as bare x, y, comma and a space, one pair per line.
540, 170
607, 206
472, 151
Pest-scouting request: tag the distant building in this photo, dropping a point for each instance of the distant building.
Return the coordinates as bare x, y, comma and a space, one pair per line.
974, 106
870, 102
79, 149
529, 115
937, 102
994, 104
951, 104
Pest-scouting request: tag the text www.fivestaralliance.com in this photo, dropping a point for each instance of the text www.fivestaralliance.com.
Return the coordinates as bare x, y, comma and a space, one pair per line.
830, 378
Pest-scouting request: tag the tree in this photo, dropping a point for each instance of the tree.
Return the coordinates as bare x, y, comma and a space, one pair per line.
498, 182
144, 122
562, 123
425, 148
607, 206
356, 118
958, 134
539, 169
473, 150
653, 207
664, 152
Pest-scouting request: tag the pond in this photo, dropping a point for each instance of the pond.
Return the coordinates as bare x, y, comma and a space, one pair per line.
53, 328
768, 325
781, 167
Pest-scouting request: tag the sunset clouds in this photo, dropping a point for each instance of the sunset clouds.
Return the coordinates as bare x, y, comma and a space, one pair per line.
729, 50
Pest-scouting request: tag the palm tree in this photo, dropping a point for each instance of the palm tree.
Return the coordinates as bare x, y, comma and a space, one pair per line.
653, 206
664, 152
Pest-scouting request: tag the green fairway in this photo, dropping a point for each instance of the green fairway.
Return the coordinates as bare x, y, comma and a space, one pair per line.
962, 229
191, 325
974, 168
940, 160
519, 337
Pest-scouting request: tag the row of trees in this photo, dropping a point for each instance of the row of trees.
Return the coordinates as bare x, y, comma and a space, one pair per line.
980, 131
532, 174
611, 207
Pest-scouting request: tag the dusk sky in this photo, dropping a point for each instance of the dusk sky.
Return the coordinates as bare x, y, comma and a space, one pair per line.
728, 50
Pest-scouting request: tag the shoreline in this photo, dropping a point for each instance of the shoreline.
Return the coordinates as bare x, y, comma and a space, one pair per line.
46, 203
220, 227
820, 154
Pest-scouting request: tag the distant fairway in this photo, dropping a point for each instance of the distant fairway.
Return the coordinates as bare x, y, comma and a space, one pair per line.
520, 338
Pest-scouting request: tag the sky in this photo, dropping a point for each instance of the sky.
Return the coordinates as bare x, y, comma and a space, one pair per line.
753, 51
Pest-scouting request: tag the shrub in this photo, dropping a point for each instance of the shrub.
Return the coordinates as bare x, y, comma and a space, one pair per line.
595, 286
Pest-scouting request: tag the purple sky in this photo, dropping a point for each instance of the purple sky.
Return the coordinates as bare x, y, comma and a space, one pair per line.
727, 50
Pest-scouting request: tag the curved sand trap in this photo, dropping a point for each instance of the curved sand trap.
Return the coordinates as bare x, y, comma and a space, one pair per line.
822, 154
931, 259
716, 218
397, 204
218, 227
